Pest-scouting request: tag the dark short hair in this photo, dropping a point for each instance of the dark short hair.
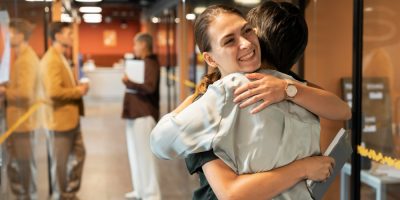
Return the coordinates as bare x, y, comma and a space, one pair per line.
22, 26
57, 27
282, 32
204, 20
147, 39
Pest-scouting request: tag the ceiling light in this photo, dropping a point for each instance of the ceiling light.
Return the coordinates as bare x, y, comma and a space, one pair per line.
90, 9
177, 20
199, 10
92, 18
190, 16
88, 1
38, 0
248, 2
155, 20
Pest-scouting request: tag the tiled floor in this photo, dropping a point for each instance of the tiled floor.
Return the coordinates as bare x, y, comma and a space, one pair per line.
106, 174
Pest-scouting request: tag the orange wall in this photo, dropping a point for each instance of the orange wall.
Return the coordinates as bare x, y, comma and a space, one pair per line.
328, 58
37, 38
91, 41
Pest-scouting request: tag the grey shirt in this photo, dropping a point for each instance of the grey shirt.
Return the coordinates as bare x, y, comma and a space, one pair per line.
247, 143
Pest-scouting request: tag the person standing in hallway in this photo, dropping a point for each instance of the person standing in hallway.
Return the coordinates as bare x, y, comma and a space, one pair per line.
141, 111
20, 95
65, 142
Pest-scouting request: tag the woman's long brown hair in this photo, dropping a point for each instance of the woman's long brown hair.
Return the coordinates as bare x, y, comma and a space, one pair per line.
203, 40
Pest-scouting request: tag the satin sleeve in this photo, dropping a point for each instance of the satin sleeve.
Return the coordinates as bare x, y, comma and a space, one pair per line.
193, 129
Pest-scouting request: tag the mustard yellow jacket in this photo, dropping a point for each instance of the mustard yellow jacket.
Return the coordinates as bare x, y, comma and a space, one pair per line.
21, 89
60, 88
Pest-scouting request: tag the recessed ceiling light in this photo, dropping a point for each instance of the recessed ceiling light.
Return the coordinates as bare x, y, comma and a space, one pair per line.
88, 1
92, 18
90, 9
199, 10
247, 2
155, 20
39, 0
190, 16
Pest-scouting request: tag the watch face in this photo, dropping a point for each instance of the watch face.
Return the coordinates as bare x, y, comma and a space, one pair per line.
291, 91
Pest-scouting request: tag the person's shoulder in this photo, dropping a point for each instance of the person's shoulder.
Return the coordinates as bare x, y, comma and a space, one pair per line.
276, 73
151, 59
51, 55
296, 77
31, 56
233, 80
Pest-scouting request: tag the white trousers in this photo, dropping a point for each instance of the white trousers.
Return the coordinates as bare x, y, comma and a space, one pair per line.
141, 159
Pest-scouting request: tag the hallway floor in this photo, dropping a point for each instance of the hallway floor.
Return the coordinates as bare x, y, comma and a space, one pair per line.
106, 174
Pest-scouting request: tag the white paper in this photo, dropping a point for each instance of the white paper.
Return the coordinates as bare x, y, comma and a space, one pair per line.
334, 142
5, 58
134, 69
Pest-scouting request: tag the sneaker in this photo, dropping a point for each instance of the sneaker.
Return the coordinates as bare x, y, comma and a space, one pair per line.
132, 195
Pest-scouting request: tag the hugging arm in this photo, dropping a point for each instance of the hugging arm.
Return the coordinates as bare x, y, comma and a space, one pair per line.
264, 185
190, 128
272, 90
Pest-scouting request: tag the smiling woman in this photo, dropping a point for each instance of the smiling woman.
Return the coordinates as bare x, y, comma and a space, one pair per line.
236, 47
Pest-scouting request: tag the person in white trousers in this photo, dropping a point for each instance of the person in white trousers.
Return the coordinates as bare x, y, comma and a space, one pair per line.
141, 111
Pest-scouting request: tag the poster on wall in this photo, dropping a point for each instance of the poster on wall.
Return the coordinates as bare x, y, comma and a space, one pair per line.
4, 47
110, 38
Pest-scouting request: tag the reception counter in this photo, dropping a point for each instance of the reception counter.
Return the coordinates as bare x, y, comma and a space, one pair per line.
106, 83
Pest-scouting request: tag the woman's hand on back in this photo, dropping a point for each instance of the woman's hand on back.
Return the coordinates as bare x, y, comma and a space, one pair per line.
263, 87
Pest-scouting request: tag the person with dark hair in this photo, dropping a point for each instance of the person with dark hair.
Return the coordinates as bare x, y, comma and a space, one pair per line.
274, 138
20, 96
283, 36
66, 147
141, 111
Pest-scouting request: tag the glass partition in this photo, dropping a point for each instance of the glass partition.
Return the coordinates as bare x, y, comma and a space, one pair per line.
381, 95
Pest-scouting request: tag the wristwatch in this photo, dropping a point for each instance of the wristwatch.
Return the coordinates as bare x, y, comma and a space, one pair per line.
290, 90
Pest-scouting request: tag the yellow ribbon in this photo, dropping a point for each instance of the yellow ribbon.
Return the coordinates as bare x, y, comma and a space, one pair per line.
21, 120
378, 157
186, 82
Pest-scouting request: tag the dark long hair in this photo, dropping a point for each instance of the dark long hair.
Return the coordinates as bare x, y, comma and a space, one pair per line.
202, 38
282, 32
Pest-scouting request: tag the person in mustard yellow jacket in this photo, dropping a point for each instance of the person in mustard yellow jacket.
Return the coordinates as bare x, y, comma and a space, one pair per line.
66, 147
20, 95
